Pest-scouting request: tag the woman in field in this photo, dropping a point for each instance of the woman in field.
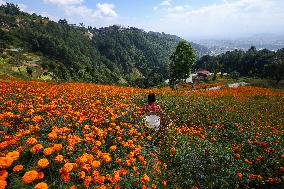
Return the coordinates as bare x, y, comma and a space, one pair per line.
154, 115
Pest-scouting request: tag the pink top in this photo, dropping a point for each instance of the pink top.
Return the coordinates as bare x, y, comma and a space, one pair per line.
152, 108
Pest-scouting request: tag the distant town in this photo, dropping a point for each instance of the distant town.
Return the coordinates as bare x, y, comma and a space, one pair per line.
261, 41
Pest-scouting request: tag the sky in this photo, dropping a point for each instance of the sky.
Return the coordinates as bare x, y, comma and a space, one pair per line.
190, 19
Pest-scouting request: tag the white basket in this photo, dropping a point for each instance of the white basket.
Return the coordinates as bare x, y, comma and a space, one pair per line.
153, 121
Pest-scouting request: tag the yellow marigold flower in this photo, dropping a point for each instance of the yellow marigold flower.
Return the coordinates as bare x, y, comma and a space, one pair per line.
145, 178
31, 141
29, 176
3, 174
41, 185
40, 175
42, 163
113, 148
59, 158
14, 155
98, 143
36, 149
3, 184
48, 151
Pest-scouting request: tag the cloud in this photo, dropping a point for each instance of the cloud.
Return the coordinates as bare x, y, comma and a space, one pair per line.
224, 19
166, 3
106, 10
63, 2
23, 7
103, 10
2, 2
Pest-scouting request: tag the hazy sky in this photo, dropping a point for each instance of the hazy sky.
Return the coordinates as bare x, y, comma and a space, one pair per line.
189, 19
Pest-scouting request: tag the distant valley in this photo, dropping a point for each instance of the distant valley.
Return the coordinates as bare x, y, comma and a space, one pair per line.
260, 41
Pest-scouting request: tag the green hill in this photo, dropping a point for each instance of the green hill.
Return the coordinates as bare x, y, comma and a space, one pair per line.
114, 55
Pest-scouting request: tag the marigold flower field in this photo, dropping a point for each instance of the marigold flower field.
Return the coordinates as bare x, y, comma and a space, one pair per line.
78, 135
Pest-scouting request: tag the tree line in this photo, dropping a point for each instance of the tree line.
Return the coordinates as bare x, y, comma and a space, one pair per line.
251, 63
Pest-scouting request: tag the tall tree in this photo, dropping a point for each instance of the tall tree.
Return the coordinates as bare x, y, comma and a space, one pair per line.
181, 62
275, 70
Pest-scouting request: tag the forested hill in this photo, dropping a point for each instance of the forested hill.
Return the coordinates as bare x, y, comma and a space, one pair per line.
114, 54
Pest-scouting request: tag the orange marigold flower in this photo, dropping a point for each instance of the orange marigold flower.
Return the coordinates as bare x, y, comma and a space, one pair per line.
18, 168
48, 151
99, 179
52, 135
29, 176
31, 141
57, 147
96, 164
143, 187
154, 186
72, 187
251, 176
240, 175
237, 156
65, 177
59, 158
164, 183
3, 174
173, 150
113, 148
3, 184
98, 143
37, 119
67, 167
5, 162
36, 149
96, 173
82, 174
42, 163
41, 185
106, 157
40, 175
87, 181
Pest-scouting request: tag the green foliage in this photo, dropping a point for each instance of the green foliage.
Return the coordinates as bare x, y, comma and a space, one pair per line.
104, 55
235, 75
275, 70
181, 62
29, 71
252, 63
10, 8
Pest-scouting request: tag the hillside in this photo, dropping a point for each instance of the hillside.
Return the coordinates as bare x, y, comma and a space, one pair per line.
116, 55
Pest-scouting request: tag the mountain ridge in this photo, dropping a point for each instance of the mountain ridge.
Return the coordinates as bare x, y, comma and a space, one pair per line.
111, 55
